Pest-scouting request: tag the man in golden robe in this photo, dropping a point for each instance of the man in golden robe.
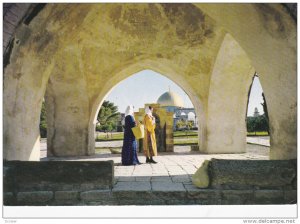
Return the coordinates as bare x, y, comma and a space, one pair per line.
149, 142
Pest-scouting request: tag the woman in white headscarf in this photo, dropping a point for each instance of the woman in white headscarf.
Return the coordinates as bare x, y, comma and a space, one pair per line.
149, 141
129, 149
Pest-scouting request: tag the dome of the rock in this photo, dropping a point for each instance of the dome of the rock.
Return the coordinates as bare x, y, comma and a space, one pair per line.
170, 99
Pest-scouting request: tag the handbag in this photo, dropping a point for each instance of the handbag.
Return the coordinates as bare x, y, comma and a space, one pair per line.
138, 131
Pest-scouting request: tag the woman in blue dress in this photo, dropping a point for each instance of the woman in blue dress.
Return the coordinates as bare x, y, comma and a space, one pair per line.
129, 149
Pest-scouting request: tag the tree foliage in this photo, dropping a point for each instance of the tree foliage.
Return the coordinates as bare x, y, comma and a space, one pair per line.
43, 121
264, 105
107, 117
180, 124
258, 123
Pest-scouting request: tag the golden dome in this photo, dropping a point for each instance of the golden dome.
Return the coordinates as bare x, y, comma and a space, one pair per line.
170, 99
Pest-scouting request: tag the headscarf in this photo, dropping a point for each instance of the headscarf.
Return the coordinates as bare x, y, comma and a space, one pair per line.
129, 111
148, 111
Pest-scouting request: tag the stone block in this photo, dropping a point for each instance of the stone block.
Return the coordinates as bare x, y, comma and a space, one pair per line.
135, 198
245, 173
290, 196
181, 179
66, 195
170, 195
203, 196
166, 186
132, 186
106, 202
201, 178
237, 197
34, 198
126, 179
8, 180
96, 196
161, 179
294, 183
268, 197
9, 198
58, 175
143, 178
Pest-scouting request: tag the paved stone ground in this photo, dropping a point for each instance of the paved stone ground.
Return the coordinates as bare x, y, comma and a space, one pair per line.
173, 171
263, 140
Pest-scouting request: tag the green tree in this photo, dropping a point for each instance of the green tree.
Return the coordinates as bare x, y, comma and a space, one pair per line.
180, 124
251, 124
264, 105
108, 116
43, 121
255, 124
189, 125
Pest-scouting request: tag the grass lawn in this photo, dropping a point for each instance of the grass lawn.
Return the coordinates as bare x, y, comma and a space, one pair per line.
184, 133
188, 141
259, 133
110, 136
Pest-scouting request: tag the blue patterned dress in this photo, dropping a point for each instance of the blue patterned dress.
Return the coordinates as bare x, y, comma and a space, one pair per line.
129, 154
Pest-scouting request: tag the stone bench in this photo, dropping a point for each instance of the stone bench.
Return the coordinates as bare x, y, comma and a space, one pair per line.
34, 183
247, 174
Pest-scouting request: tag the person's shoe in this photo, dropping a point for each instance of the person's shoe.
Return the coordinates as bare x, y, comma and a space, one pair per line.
148, 160
152, 161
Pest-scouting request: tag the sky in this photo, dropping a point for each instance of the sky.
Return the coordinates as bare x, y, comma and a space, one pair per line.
144, 87
255, 98
147, 86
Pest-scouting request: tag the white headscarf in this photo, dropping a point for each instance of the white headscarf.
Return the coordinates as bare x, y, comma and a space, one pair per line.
148, 111
129, 111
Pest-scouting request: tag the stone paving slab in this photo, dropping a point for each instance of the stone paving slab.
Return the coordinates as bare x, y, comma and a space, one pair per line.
161, 179
167, 186
132, 186
143, 178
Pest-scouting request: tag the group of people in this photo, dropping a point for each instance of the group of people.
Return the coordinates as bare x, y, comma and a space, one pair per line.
129, 149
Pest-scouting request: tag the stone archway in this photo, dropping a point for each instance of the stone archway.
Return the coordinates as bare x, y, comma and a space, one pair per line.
182, 34
227, 99
267, 33
165, 68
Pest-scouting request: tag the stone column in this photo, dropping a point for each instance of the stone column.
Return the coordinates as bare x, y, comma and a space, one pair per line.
67, 106
169, 132
227, 102
23, 93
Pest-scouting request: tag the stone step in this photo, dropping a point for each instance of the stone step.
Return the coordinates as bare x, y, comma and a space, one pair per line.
157, 196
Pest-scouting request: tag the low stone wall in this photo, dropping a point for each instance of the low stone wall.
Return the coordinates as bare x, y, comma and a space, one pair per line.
54, 182
252, 174
231, 182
